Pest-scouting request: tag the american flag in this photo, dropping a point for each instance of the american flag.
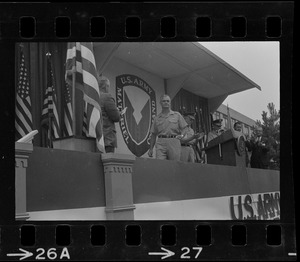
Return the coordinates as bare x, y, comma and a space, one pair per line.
49, 111
81, 63
84, 123
23, 120
68, 112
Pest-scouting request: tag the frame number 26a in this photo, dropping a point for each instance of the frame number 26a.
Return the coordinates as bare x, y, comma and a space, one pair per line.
52, 254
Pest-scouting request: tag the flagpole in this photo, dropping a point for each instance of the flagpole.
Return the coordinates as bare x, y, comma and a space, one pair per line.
203, 154
229, 124
196, 149
73, 98
50, 130
48, 54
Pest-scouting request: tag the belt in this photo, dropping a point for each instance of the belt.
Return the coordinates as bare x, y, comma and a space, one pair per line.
170, 136
186, 145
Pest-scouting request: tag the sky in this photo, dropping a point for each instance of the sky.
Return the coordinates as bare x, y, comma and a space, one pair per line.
259, 61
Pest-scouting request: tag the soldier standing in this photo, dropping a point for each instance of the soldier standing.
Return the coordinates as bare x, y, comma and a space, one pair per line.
189, 140
168, 127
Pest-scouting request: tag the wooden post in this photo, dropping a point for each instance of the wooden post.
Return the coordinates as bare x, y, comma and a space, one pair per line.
22, 152
73, 102
118, 186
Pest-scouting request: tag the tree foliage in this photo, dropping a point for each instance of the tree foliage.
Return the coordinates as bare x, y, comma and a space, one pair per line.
271, 134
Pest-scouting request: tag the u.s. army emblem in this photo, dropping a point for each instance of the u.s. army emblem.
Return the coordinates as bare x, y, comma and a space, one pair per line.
139, 98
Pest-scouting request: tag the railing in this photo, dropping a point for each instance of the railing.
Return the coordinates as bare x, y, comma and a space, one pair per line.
124, 187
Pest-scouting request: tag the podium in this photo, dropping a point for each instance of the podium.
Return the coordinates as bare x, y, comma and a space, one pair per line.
75, 143
227, 149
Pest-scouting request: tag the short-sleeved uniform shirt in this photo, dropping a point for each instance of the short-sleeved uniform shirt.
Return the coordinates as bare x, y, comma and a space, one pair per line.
110, 115
190, 132
171, 124
212, 135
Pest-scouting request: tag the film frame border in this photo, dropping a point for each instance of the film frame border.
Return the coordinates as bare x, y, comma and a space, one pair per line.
255, 14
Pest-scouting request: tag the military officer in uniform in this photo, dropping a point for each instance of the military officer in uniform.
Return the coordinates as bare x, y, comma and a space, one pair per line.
110, 115
168, 128
216, 126
190, 138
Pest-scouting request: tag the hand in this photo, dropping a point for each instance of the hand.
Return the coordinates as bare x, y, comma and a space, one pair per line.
179, 137
123, 111
150, 152
258, 140
199, 135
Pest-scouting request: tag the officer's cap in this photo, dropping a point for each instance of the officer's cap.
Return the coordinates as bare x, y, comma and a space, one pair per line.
191, 115
218, 122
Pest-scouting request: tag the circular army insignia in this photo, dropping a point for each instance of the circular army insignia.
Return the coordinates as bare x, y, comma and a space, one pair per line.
241, 145
139, 98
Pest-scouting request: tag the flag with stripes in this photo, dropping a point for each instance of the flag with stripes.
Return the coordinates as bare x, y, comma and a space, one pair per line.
49, 117
81, 65
84, 123
67, 127
23, 120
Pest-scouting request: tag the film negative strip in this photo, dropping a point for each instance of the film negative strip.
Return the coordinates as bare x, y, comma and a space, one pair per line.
88, 90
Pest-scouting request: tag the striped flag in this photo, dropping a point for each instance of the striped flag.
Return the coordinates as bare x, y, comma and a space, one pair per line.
85, 127
67, 128
49, 117
84, 123
74, 65
81, 64
23, 120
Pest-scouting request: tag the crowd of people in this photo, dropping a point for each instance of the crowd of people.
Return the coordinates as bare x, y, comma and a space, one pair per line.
172, 134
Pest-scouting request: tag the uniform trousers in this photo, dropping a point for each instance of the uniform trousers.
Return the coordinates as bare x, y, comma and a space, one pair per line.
109, 149
168, 148
187, 154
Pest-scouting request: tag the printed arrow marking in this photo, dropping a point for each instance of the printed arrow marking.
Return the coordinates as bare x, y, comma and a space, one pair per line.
22, 256
165, 254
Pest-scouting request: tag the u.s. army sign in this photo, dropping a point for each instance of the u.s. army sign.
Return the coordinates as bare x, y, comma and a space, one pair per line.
139, 98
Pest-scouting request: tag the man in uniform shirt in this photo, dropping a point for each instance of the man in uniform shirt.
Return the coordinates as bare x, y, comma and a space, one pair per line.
216, 126
110, 115
168, 127
187, 142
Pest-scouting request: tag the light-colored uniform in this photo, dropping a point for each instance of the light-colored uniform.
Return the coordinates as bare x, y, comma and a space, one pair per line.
187, 151
212, 135
169, 125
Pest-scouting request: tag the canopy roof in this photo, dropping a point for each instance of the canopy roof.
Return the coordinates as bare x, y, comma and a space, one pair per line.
187, 65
